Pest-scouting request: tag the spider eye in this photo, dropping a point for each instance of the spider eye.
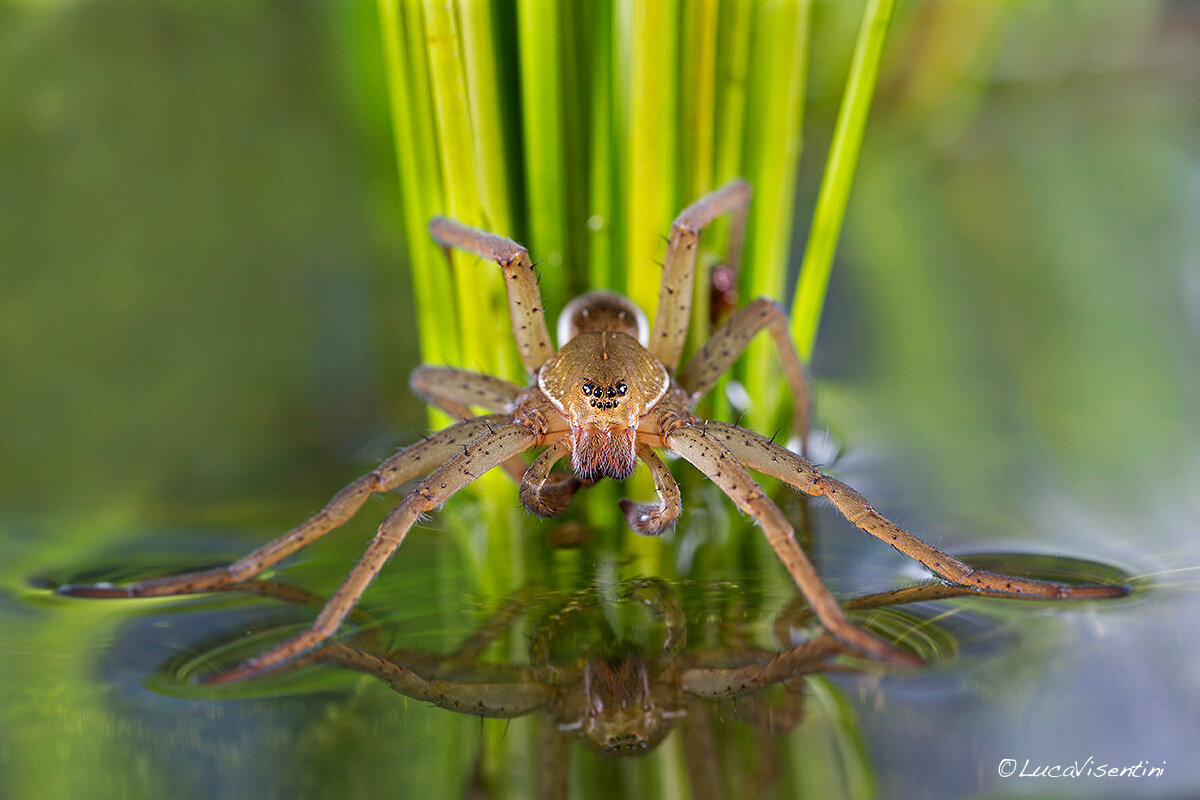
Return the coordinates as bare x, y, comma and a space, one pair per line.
588, 388
611, 392
621, 388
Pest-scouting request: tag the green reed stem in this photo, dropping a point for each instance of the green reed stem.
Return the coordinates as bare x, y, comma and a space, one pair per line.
413, 130
839, 174
646, 67
544, 142
776, 103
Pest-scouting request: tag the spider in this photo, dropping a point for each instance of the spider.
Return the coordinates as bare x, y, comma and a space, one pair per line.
610, 396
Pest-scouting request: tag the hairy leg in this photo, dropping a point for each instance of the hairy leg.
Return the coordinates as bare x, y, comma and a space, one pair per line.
525, 309
487, 451
414, 460
718, 683
671, 320
502, 698
761, 455
796, 613
547, 493
652, 519
712, 458
717, 355
454, 390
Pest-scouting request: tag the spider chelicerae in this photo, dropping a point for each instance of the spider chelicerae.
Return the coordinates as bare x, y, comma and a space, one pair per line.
610, 396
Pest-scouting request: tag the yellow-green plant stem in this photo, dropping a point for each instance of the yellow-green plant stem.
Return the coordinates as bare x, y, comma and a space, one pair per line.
413, 130
646, 67
839, 175
778, 80
546, 178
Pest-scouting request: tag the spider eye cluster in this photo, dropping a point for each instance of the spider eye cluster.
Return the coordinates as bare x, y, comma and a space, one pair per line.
603, 396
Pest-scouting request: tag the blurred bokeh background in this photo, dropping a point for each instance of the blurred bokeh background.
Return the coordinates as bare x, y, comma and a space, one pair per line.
206, 327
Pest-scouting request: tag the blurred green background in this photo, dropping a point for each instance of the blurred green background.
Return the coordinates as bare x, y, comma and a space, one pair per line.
206, 328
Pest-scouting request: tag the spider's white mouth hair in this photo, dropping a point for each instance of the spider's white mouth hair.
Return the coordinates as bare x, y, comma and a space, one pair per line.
603, 452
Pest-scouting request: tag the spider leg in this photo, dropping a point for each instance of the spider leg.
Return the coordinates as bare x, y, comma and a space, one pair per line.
525, 309
455, 390
496, 698
763, 456
712, 458
657, 595
548, 630
651, 519
405, 465
797, 613
368, 626
675, 294
717, 683
717, 355
547, 493
483, 453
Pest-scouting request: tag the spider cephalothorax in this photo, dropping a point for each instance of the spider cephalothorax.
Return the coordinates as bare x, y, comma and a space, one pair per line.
604, 382
608, 398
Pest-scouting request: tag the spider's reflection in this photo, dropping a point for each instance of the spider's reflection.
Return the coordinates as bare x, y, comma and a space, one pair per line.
619, 695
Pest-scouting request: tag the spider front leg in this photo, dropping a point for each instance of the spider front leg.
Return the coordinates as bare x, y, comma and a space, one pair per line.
669, 333
717, 355
405, 465
762, 455
708, 455
652, 519
526, 314
455, 390
502, 441
547, 493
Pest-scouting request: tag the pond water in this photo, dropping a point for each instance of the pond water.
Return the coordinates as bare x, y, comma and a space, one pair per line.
109, 685
1008, 367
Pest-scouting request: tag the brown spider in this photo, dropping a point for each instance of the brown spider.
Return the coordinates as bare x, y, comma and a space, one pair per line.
608, 397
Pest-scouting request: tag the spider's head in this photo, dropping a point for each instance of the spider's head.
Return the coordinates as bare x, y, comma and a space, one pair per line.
603, 382
620, 715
